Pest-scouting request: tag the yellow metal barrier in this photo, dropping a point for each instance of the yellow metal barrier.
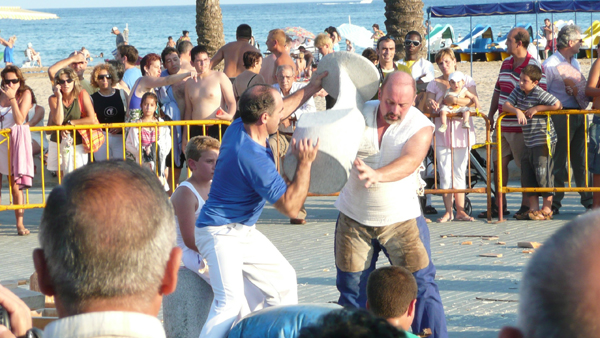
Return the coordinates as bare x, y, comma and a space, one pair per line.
503, 190
105, 127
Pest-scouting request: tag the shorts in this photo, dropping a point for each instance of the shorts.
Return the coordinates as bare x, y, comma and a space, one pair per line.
67, 164
212, 131
550, 44
594, 149
512, 144
181, 161
401, 242
537, 169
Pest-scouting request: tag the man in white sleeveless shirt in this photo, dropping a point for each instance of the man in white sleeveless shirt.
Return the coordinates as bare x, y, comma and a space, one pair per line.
379, 206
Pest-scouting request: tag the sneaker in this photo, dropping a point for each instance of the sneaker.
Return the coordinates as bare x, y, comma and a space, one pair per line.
466, 125
429, 210
442, 128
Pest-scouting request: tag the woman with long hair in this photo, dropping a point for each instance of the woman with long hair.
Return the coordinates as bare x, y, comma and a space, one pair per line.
15, 103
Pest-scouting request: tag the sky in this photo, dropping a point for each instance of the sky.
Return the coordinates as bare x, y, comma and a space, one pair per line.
34, 4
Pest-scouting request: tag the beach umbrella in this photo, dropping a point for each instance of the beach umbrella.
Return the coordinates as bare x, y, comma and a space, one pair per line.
17, 13
360, 36
299, 32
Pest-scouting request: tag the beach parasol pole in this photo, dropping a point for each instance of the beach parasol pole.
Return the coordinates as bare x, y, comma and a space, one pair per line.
428, 35
471, 36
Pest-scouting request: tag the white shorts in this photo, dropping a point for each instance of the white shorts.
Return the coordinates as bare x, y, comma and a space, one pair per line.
67, 164
115, 147
444, 160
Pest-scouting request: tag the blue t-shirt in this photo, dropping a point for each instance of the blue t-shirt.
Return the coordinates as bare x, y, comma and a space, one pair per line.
131, 75
245, 177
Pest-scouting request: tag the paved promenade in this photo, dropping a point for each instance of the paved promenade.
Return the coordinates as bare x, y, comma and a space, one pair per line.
462, 275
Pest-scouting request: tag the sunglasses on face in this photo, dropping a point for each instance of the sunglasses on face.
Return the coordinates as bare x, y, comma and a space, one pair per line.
13, 81
104, 76
64, 81
407, 43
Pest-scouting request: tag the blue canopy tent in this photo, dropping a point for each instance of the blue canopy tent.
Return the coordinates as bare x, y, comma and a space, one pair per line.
513, 8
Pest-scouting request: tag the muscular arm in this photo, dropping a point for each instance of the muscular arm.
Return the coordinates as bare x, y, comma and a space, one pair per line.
184, 202
293, 199
217, 58
292, 102
411, 157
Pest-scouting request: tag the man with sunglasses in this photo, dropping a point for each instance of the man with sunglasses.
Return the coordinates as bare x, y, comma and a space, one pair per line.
421, 69
78, 63
568, 44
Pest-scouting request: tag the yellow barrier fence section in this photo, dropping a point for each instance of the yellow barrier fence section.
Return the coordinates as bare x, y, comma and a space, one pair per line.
124, 127
503, 190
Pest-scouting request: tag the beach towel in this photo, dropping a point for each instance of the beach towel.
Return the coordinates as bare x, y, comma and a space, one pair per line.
21, 156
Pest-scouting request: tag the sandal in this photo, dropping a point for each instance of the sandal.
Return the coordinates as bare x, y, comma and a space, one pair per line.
522, 212
22, 232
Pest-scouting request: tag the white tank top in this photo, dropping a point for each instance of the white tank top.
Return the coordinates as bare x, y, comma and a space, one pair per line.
190, 186
383, 203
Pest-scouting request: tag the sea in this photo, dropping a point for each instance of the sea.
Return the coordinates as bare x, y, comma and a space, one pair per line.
149, 27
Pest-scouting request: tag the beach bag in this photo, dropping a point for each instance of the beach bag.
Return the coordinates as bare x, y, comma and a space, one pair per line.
91, 139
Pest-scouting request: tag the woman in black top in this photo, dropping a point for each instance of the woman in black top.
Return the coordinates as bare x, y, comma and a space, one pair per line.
109, 105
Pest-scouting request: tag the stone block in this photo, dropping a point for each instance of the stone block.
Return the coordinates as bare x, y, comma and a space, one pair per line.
186, 309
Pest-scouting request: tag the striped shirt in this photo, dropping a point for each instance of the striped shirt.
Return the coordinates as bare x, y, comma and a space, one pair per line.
535, 132
508, 80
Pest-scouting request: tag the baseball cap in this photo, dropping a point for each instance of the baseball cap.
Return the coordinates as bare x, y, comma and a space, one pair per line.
114, 29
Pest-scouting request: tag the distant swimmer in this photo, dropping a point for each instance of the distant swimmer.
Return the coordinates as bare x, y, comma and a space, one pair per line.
276, 43
233, 52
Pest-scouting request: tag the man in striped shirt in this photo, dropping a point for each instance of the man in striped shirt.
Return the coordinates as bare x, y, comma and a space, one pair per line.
508, 79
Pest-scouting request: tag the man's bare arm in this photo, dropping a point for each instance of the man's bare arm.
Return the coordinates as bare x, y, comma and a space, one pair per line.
297, 99
493, 108
187, 114
217, 58
411, 157
76, 58
227, 92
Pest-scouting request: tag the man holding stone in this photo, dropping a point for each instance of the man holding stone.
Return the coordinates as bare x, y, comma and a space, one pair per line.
385, 177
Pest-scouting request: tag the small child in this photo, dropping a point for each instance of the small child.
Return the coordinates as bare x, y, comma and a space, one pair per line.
458, 90
539, 136
156, 142
301, 65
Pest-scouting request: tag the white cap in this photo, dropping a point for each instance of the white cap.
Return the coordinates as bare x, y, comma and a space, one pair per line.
114, 29
457, 77
29, 45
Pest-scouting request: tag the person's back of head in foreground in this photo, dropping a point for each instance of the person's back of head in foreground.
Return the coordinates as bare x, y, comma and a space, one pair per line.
351, 323
392, 295
559, 290
107, 238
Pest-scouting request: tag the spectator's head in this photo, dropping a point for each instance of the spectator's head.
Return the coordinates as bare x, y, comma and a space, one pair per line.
115, 30
569, 40
260, 105
244, 31
288, 44
170, 59
200, 59
559, 288
386, 49
285, 78
276, 40
396, 96
119, 70
371, 54
547, 21
12, 77
150, 65
127, 54
446, 61
88, 261
103, 76
333, 34
252, 60
201, 153
186, 33
375, 27
517, 41
529, 78
68, 81
185, 50
412, 45
324, 44
79, 67
351, 323
392, 295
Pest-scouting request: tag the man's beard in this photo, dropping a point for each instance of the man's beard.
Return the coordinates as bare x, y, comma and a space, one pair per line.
391, 121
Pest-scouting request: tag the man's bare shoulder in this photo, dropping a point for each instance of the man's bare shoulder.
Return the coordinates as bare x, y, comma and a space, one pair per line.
285, 59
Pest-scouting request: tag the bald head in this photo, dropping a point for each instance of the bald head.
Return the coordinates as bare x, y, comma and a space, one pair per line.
399, 78
520, 34
560, 293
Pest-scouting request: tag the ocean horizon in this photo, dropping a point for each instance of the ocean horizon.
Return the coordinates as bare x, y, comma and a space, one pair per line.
149, 27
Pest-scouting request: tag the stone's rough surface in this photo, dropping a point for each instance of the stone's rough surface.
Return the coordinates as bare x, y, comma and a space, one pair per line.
352, 80
186, 309
34, 300
339, 133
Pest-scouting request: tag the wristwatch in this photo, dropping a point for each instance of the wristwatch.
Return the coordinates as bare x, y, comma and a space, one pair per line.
69, 122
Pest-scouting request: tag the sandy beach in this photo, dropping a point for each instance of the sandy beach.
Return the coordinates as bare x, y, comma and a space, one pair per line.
484, 74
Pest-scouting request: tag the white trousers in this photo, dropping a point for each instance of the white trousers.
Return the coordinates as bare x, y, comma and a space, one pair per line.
444, 160
115, 147
235, 252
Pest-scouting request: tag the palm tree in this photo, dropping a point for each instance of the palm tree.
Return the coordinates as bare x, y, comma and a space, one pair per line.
209, 25
402, 17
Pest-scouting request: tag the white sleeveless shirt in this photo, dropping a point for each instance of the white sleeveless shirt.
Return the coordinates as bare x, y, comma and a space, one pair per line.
190, 186
383, 203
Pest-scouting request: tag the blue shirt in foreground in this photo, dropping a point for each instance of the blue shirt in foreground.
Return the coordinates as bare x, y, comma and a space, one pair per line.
245, 178
131, 75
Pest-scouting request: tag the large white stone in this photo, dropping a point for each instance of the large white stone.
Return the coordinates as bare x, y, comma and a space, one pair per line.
353, 80
185, 310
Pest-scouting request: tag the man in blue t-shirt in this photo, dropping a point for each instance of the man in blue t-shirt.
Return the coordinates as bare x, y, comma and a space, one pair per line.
245, 178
